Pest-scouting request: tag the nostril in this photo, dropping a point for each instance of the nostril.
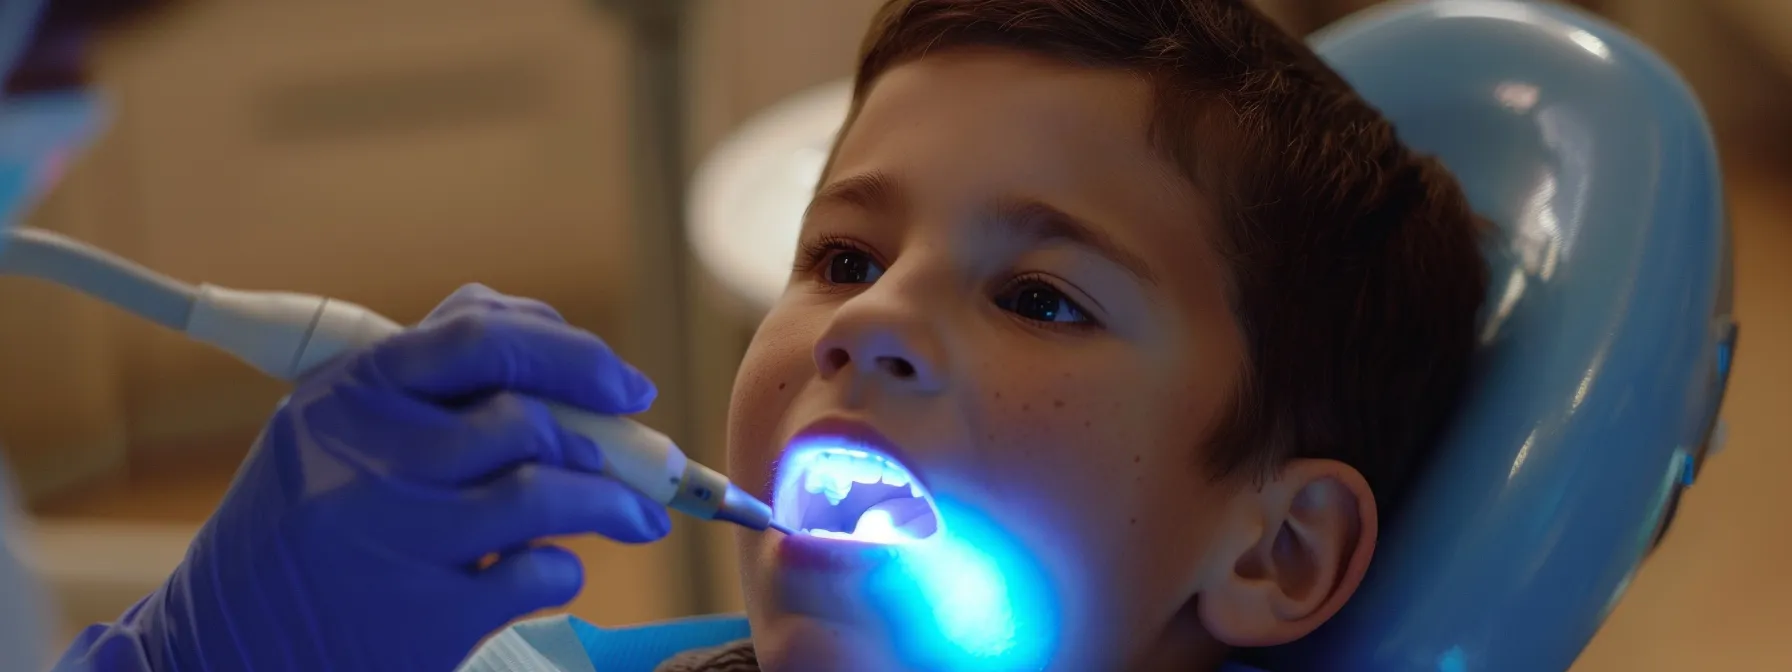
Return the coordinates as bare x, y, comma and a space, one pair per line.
837, 359
896, 366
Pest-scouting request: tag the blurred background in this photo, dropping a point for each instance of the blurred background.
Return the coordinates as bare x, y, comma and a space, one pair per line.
387, 151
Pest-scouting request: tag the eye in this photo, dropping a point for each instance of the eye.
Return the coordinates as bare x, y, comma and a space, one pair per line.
851, 267
848, 266
837, 261
1038, 301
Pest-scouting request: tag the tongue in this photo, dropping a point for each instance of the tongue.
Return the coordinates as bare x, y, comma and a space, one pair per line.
912, 515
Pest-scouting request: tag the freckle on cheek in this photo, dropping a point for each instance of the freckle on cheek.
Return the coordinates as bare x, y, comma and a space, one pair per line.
1026, 407
1057, 403
782, 385
1135, 459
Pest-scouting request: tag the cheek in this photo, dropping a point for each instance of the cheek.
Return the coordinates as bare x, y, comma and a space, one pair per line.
1097, 466
1071, 429
771, 374
1066, 451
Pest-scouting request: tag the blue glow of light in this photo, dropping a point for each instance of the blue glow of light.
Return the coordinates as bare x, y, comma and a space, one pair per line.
968, 596
975, 599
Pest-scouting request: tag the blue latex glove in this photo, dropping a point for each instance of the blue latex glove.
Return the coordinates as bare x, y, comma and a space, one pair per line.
353, 535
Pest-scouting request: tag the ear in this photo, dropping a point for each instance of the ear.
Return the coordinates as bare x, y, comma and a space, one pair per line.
1293, 553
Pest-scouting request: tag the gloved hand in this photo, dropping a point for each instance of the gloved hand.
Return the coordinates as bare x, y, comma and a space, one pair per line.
353, 535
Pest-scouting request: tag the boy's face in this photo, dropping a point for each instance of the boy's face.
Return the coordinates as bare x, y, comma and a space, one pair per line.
1004, 288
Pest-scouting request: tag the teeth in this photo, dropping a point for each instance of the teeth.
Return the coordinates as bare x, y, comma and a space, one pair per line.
835, 487
855, 466
867, 470
834, 473
892, 475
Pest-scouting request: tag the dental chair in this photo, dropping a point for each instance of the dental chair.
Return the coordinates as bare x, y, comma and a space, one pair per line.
1603, 358
1607, 340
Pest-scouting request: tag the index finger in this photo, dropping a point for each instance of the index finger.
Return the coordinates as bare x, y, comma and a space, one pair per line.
479, 352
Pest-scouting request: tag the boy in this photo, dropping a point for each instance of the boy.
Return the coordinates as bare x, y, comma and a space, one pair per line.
1116, 324
1132, 301
1140, 285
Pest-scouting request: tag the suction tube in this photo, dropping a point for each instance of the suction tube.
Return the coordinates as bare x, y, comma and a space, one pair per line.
47, 256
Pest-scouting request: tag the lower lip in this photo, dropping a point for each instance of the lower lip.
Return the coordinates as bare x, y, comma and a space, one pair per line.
811, 553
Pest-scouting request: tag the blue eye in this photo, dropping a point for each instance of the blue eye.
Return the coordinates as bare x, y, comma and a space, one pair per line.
851, 267
1040, 302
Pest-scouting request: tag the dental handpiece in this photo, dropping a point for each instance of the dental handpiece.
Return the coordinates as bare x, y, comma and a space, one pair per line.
288, 335
263, 328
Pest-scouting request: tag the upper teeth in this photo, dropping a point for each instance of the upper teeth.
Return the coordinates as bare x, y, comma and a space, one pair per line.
833, 472
894, 475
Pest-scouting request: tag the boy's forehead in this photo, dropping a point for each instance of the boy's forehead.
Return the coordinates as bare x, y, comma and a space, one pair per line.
1002, 90
977, 129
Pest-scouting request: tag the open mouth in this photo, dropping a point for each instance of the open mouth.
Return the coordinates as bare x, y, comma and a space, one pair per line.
853, 493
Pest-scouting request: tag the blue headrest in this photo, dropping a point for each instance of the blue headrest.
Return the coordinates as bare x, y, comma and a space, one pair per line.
1606, 338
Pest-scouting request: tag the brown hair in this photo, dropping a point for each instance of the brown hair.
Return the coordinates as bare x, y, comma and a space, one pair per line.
1354, 264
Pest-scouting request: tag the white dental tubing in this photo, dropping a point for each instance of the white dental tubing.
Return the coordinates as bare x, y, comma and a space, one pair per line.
288, 335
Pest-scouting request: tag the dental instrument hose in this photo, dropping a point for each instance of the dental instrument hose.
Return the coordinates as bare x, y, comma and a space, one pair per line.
287, 335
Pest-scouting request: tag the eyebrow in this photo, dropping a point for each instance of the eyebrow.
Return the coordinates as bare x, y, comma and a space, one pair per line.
1039, 221
868, 191
1024, 217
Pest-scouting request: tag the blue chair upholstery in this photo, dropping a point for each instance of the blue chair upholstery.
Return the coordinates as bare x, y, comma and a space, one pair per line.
1606, 342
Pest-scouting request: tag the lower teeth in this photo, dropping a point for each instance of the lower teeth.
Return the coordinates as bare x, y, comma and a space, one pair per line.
903, 515
891, 522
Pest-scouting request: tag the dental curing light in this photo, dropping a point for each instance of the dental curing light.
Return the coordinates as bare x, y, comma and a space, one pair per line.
289, 335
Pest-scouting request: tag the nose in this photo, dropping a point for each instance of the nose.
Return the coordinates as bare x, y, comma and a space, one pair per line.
879, 339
